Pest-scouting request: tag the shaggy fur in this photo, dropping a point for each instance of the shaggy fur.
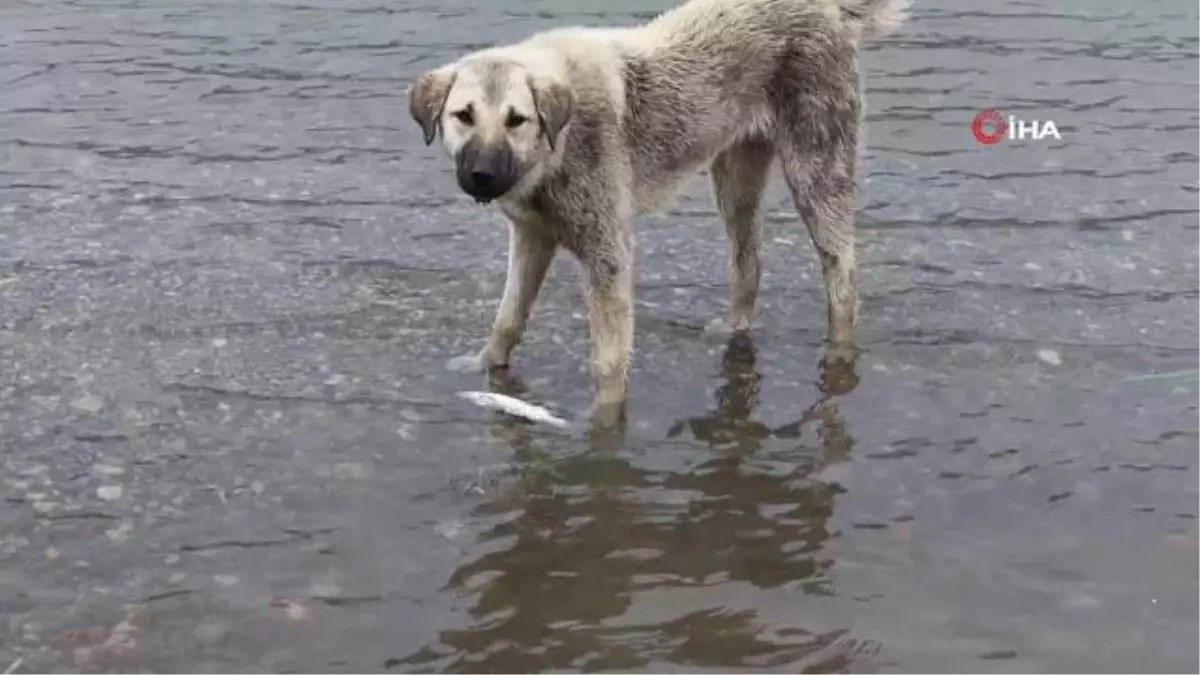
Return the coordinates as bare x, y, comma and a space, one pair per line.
576, 131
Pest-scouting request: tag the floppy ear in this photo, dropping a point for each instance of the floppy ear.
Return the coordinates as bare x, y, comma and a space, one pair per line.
427, 100
555, 103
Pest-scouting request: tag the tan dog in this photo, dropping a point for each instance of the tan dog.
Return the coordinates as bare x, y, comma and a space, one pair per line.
576, 131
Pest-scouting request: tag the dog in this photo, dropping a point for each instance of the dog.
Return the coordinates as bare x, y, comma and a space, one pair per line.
575, 131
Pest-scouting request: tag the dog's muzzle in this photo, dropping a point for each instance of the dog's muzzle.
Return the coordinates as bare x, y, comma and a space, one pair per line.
486, 172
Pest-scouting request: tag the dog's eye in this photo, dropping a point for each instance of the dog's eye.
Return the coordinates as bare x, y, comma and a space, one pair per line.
465, 116
515, 120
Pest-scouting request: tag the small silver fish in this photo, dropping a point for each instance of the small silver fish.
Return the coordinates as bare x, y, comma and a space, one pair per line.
15, 664
514, 406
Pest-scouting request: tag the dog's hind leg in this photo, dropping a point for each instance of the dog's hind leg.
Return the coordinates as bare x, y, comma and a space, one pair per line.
824, 184
739, 177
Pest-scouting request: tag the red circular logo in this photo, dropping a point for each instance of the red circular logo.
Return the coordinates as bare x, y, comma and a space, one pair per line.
989, 127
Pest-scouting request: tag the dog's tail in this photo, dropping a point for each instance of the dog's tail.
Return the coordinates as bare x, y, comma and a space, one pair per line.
874, 18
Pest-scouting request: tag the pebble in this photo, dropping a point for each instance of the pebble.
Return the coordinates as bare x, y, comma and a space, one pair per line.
211, 632
325, 590
449, 530
108, 469
1081, 601
225, 580
294, 610
348, 470
121, 532
110, 493
1050, 356
89, 402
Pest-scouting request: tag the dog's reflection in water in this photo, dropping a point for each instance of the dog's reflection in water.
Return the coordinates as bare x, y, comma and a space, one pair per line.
578, 556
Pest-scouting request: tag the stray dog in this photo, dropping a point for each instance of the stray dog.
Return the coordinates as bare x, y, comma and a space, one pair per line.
576, 131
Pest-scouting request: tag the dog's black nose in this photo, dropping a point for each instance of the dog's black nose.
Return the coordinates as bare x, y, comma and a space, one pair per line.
485, 172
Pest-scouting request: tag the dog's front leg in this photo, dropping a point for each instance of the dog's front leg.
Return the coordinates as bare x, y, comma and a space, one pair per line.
608, 292
530, 252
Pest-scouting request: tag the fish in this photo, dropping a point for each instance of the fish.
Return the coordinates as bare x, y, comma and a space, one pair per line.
514, 406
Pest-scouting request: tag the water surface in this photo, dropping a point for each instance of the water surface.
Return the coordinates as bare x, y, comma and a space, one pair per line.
231, 273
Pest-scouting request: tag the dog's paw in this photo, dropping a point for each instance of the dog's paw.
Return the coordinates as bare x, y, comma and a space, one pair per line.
468, 363
605, 418
578, 429
598, 422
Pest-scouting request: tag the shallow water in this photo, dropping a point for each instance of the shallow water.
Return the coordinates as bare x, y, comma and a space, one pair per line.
231, 273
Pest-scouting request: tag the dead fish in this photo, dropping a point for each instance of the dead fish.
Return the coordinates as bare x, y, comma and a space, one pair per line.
514, 406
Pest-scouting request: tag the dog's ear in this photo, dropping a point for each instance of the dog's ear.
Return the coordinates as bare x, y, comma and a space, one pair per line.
555, 103
427, 100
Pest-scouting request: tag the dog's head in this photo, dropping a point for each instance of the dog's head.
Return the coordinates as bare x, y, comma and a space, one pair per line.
499, 120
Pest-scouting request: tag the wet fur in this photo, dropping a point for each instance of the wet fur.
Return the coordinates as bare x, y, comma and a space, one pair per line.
627, 115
